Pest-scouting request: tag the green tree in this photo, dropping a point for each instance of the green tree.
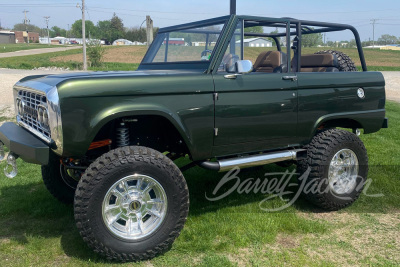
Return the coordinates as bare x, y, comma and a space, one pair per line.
117, 28
23, 27
255, 29
387, 39
57, 31
136, 34
76, 29
312, 40
104, 31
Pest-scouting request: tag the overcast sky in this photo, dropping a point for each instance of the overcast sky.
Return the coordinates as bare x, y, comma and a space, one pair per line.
170, 12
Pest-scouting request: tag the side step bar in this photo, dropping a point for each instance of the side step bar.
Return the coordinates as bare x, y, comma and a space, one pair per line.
250, 161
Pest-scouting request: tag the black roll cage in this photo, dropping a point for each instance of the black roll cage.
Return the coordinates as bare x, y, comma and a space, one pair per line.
293, 27
302, 27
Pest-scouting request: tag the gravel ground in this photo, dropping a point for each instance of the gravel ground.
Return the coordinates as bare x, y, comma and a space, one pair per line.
8, 77
392, 85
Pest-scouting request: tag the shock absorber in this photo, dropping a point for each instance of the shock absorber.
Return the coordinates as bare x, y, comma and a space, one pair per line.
122, 135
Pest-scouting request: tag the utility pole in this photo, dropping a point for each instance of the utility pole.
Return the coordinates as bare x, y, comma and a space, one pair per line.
47, 18
233, 7
149, 24
83, 34
26, 22
373, 31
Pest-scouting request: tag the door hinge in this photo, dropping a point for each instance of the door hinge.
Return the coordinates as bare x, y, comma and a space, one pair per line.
215, 96
216, 131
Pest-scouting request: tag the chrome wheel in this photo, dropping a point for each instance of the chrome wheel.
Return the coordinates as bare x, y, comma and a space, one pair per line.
343, 172
134, 207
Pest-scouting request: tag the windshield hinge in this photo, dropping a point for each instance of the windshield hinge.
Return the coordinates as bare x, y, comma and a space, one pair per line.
215, 96
216, 131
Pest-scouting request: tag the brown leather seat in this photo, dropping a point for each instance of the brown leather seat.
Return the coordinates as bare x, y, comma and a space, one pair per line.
319, 63
271, 62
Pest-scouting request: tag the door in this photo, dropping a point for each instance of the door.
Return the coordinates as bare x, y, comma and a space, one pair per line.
256, 111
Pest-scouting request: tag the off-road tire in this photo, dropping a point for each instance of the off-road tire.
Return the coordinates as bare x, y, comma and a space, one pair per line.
320, 152
101, 175
55, 183
345, 62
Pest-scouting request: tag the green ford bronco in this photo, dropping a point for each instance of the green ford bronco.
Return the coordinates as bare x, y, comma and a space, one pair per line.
230, 91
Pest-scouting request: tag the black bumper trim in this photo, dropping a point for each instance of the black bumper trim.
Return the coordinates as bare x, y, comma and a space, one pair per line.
24, 144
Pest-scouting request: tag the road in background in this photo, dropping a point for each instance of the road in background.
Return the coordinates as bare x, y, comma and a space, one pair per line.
37, 51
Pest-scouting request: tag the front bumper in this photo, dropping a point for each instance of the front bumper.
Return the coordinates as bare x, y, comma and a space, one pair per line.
24, 144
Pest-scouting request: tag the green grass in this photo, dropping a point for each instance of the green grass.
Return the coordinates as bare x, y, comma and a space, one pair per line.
43, 60
6, 48
36, 230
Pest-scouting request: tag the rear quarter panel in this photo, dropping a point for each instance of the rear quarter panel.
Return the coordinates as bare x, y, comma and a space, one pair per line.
328, 96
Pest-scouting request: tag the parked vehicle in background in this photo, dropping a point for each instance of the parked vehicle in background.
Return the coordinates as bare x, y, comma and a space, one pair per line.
107, 140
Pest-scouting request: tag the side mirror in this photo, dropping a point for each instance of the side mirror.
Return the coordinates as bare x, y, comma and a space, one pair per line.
244, 66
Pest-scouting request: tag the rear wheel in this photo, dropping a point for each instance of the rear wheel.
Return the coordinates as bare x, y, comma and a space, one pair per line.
337, 163
131, 204
345, 62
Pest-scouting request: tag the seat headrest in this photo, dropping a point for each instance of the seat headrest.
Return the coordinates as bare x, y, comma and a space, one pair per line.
268, 61
319, 60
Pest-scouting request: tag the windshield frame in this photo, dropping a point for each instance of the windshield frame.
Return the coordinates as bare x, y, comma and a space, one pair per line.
204, 65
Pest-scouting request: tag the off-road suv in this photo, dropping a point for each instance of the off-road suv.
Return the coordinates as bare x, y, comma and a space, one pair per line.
107, 140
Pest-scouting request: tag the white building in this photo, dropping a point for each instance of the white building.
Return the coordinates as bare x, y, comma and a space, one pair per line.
256, 42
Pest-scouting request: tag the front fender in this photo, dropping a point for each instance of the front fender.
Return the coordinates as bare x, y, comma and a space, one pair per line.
191, 115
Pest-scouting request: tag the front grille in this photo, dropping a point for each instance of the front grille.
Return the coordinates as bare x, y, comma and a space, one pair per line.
29, 115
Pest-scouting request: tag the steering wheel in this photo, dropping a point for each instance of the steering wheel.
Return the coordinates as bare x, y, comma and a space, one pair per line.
204, 54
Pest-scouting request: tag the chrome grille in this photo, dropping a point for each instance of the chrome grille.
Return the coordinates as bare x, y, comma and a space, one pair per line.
31, 101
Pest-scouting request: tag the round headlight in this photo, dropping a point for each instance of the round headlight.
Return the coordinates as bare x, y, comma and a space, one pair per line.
40, 115
43, 116
20, 107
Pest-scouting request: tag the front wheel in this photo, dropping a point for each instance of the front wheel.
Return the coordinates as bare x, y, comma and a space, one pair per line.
131, 204
335, 169
60, 181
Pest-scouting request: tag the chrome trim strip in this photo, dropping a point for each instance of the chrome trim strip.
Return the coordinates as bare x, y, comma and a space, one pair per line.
53, 107
257, 160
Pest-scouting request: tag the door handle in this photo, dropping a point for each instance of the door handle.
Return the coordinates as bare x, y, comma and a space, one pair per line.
231, 76
289, 78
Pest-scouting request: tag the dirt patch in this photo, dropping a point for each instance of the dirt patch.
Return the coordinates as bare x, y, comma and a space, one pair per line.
123, 54
6, 113
242, 257
356, 238
289, 242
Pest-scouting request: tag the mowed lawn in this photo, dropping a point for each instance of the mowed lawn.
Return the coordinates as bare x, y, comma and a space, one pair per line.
129, 57
36, 230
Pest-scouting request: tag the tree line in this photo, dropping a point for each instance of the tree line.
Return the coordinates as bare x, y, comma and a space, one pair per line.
107, 30
113, 29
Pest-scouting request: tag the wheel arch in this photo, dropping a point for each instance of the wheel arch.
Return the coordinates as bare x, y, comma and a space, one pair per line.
173, 120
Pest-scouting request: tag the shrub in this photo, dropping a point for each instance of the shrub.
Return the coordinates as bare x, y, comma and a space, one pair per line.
95, 53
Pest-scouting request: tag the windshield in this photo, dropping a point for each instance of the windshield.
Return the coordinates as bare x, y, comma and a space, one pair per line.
186, 45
